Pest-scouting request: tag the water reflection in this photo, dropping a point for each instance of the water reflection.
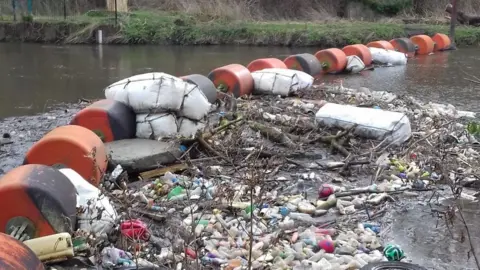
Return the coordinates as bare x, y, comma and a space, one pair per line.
33, 75
430, 243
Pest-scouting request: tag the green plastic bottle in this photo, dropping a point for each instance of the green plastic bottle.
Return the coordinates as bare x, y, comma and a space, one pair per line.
175, 192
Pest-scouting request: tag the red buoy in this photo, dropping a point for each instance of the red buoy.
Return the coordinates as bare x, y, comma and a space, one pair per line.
74, 147
361, 51
233, 78
264, 63
40, 197
109, 119
332, 60
305, 62
15, 255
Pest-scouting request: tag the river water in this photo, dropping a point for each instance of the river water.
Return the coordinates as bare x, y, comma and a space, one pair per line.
34, 77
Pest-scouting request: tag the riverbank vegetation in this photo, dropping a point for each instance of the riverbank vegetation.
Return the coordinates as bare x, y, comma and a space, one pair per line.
323, 23
305, 9
147, 27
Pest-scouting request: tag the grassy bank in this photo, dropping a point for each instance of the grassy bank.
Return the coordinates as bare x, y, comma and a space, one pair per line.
176, 28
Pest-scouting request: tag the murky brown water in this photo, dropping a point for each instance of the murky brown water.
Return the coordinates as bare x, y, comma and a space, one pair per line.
34, 75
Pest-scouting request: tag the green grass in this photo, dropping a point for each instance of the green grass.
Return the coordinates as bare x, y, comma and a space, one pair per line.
175, 28
168, 28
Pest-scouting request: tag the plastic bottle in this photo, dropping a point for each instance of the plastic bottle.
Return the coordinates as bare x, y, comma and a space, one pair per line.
287, 225
372, 227
301, 217
169, 179
178, 190
306, 207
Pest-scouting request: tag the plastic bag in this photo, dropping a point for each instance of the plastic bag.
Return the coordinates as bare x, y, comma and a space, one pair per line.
195, 104
150, 92
188, 127
394, 127
156, 126
112, 256
282, 82
354, 64
98, 215
388, 57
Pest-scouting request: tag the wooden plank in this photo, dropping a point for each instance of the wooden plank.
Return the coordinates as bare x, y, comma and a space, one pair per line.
161, 171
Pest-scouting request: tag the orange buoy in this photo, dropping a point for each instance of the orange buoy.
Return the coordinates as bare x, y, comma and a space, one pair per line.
361, 51
404, 45
305, 62
332, 60
382, 44
264, 63
207, 86
109, 119
15, 255
423, 43
442, 42
38, 197
74, 147
233, 78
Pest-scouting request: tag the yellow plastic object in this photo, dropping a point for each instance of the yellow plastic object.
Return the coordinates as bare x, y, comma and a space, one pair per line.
53, 248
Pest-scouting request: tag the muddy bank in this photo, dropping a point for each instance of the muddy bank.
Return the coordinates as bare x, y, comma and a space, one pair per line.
54, 32
24, 131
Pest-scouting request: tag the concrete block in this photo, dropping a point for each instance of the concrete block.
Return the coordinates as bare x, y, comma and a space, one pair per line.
137, 155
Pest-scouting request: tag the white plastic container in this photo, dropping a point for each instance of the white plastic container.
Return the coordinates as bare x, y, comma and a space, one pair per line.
393, 127
55, 247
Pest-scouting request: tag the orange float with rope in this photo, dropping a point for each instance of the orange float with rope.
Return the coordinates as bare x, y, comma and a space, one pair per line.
109, 119
404, 45
305, 62
233, 78
381, 44
264, 63
332, 60
424, 44
44, 202
361, 51
442, 42
15, 255
74, 147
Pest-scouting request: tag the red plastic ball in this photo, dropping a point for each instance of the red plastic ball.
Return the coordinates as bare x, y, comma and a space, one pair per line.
327, 245
325, 190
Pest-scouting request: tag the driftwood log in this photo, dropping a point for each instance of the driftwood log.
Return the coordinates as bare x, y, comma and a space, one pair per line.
463, 18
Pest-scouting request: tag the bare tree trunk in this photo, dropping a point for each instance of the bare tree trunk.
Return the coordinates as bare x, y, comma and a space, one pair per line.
453, 23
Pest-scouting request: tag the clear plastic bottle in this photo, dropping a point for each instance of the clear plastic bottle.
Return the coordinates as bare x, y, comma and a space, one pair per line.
302, 217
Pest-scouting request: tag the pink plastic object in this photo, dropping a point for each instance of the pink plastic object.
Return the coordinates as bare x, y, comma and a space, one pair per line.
135, 229
191, 253
327, 245
325, 190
